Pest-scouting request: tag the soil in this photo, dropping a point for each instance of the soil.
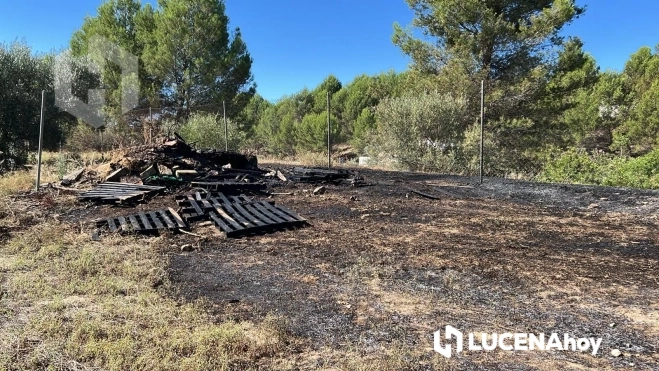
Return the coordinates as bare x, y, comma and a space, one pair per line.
383, 268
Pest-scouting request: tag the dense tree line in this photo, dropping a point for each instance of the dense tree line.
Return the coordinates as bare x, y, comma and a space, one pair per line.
550, 113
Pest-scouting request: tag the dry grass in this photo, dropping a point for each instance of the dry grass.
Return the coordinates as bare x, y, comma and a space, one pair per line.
12, 183
69, 303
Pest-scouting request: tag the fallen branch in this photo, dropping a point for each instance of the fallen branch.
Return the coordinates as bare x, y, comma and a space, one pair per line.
282, 194
66, 188
190, 233
424, 194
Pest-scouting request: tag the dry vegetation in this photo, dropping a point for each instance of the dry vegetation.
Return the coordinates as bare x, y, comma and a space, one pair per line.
70, 303
363, 289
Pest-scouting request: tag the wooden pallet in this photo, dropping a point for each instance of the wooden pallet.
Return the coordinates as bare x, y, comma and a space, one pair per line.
145, 222
119, 192
236, 220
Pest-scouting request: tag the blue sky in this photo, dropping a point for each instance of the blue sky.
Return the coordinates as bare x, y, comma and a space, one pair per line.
297, 43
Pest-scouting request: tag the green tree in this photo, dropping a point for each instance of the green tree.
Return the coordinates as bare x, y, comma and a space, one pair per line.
129, 25
23, 76
510, 44
639, 134
311, 133
199, 60
503, 38
252, 113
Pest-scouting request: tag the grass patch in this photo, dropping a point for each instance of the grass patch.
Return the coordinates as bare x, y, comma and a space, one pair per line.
16, 182
69, 302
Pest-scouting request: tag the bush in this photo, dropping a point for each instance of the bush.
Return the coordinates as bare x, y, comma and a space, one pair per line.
578, 167
207, 131
572, 166
421, 132
640, 172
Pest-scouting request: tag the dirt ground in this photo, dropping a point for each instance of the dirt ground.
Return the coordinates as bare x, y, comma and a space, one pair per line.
382, 268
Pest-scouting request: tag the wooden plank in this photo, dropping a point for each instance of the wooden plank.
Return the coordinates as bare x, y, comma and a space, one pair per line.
155, 220
228, 218
177, 218
206, 204
221, 224
145, 221
224, 199
289, 212
277, 211
112, 226
196, 207
255, 220
269, 214
134, 222
198, 196
262, 217
424, 194
166, 219
114, 185
124, 225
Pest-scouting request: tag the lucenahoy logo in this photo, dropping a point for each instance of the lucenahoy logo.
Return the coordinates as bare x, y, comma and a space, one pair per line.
510, 341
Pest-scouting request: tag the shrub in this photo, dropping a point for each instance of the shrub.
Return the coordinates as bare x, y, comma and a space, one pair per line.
207, 131
572, 166
421, 132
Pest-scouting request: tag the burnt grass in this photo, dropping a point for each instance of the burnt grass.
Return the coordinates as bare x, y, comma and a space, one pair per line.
382, 268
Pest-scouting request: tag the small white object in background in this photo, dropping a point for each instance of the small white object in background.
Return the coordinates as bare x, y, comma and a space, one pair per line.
363, 161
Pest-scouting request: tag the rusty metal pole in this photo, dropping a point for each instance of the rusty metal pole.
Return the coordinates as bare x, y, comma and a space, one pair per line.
482, 119
329, 133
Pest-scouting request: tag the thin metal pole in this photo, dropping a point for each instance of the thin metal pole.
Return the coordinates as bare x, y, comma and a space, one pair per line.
482, 119
226, 128
43, 94
329, 128
150, 126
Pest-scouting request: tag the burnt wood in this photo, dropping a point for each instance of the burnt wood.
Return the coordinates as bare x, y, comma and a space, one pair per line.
144, 222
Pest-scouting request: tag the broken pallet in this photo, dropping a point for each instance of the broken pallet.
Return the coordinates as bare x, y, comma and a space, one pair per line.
145, 222
118, 192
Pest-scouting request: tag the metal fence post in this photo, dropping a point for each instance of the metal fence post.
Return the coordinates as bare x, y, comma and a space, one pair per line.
329, 128
482, 119
43, 94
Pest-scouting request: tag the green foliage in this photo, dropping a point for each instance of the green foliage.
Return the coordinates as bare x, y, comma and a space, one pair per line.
572, 166
365, 126
297, 117
129, 25
419, 131
311, 133
504, 38
23, 76
207, 131
189, 59
199, 61
640, 172
576, 166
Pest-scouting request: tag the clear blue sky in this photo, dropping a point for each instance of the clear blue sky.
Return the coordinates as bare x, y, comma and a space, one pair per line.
297, 43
